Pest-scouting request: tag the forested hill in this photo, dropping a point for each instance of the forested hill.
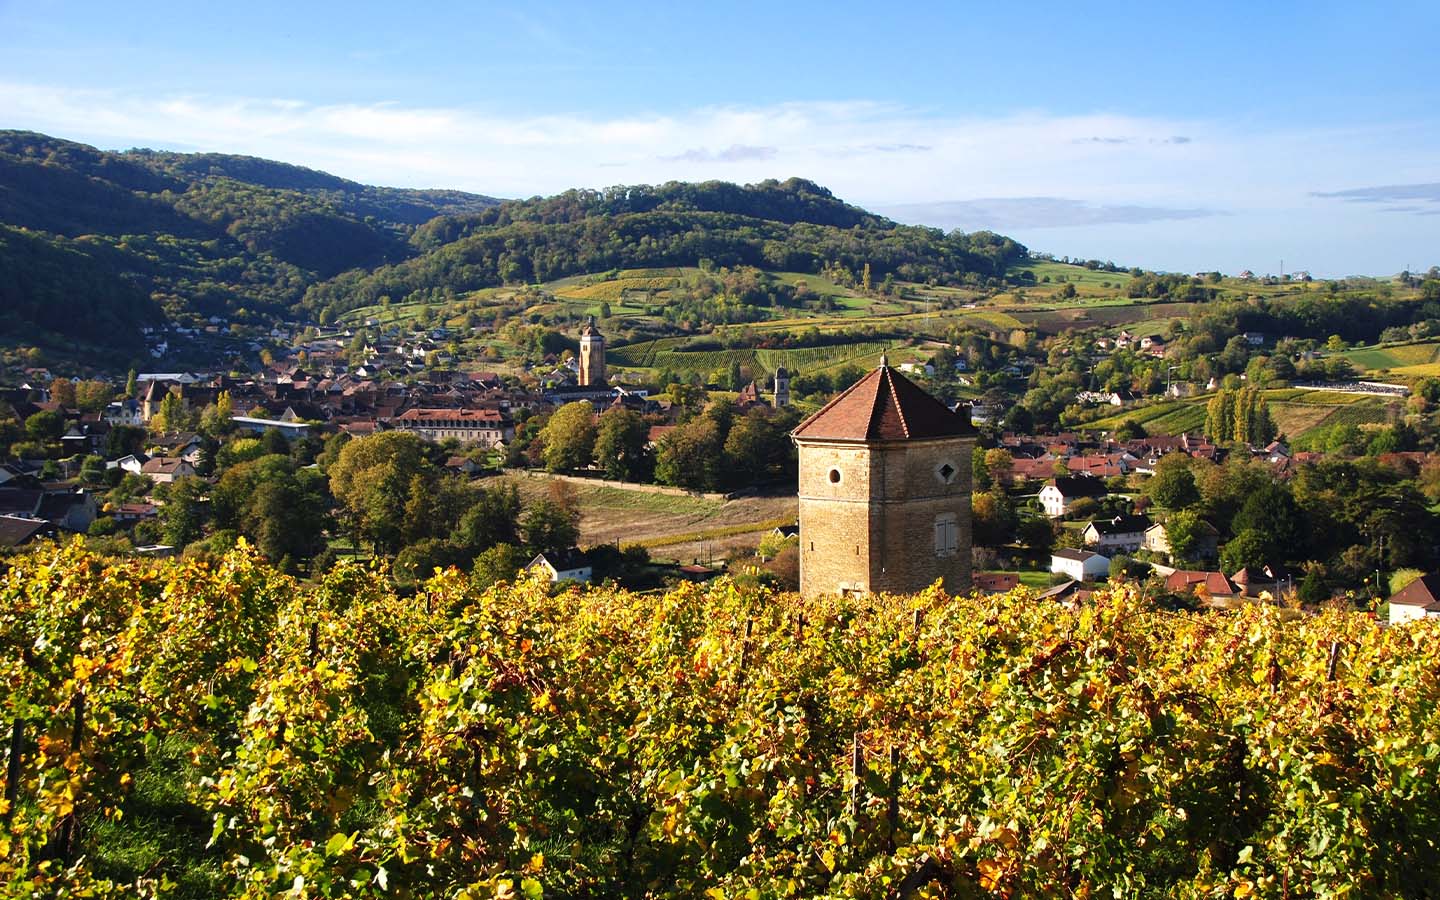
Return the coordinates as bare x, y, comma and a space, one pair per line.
794, 225
94, 244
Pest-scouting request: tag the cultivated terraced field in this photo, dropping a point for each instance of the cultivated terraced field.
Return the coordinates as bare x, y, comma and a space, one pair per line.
1294, 411
665, 354
680, 528
1398, 356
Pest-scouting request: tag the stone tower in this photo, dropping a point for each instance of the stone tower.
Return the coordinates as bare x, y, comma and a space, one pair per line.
782, 387
884, 491
592, 355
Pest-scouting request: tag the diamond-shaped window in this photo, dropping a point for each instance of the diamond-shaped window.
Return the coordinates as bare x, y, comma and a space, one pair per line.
947, 472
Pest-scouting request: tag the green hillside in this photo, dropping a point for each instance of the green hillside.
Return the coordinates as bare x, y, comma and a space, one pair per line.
791, 226
94, 244
152, 235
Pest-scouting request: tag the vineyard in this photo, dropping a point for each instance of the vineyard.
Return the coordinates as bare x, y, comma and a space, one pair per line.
193, 729
1394, 356
1294, 410
613, 290
667, 354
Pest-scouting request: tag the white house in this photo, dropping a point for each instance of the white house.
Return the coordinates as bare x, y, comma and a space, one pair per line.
1058, 495
290, 429
123, 412
130, 463
1080, 565
1102, 398
166, 469
1420, 599
1121, 534
567, 565
1207, 541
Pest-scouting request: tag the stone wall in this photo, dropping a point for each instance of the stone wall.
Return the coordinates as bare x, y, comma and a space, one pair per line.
835, 517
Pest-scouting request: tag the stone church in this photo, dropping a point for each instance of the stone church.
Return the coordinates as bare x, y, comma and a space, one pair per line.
884, 491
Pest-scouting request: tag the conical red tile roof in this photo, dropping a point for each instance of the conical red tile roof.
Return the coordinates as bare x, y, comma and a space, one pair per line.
884, 406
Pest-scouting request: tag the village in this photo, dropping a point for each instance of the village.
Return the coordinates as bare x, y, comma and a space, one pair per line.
1060, 512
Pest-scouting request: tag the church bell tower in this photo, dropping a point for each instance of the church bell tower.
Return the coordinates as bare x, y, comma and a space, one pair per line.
782, 387
592, 355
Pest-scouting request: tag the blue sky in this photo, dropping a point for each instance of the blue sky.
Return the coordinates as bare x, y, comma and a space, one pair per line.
1229, 135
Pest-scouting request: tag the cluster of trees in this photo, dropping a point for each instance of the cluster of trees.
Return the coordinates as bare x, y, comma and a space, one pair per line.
1169, 287
1239, 415
617, 443
228, 732
718, 448
721, 448
1336, 521
389, 493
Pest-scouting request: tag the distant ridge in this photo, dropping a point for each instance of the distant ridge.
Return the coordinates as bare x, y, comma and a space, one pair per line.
95, 244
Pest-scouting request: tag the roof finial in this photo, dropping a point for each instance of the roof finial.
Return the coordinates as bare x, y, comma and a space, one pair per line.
884, 360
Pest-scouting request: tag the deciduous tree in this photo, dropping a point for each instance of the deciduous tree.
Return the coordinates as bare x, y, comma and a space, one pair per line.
569, 437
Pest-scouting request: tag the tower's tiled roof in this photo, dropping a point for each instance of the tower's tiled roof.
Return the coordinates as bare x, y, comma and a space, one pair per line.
884, 406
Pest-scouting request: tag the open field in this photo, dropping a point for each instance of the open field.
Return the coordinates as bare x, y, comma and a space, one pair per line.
1088, 282
1394, 356
1428, 370
1123, 313
1035, 579
678, 528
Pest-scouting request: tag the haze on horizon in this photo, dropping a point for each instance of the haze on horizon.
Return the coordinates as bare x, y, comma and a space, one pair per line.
1231, 137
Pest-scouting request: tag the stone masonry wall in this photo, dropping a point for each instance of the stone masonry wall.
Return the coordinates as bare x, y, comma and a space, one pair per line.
874, 528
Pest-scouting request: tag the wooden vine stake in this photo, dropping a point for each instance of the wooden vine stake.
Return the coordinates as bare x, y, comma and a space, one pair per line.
314, 641
77, 737
13, 768
744, 652
857, 768
893, 815
1334, 658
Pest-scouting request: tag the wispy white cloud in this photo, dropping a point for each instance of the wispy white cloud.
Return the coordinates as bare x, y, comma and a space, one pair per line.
732, 153
849, 146
1015, 213
1390, 193
1024, 170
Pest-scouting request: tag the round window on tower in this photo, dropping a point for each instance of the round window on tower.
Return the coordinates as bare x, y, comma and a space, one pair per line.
834, 476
